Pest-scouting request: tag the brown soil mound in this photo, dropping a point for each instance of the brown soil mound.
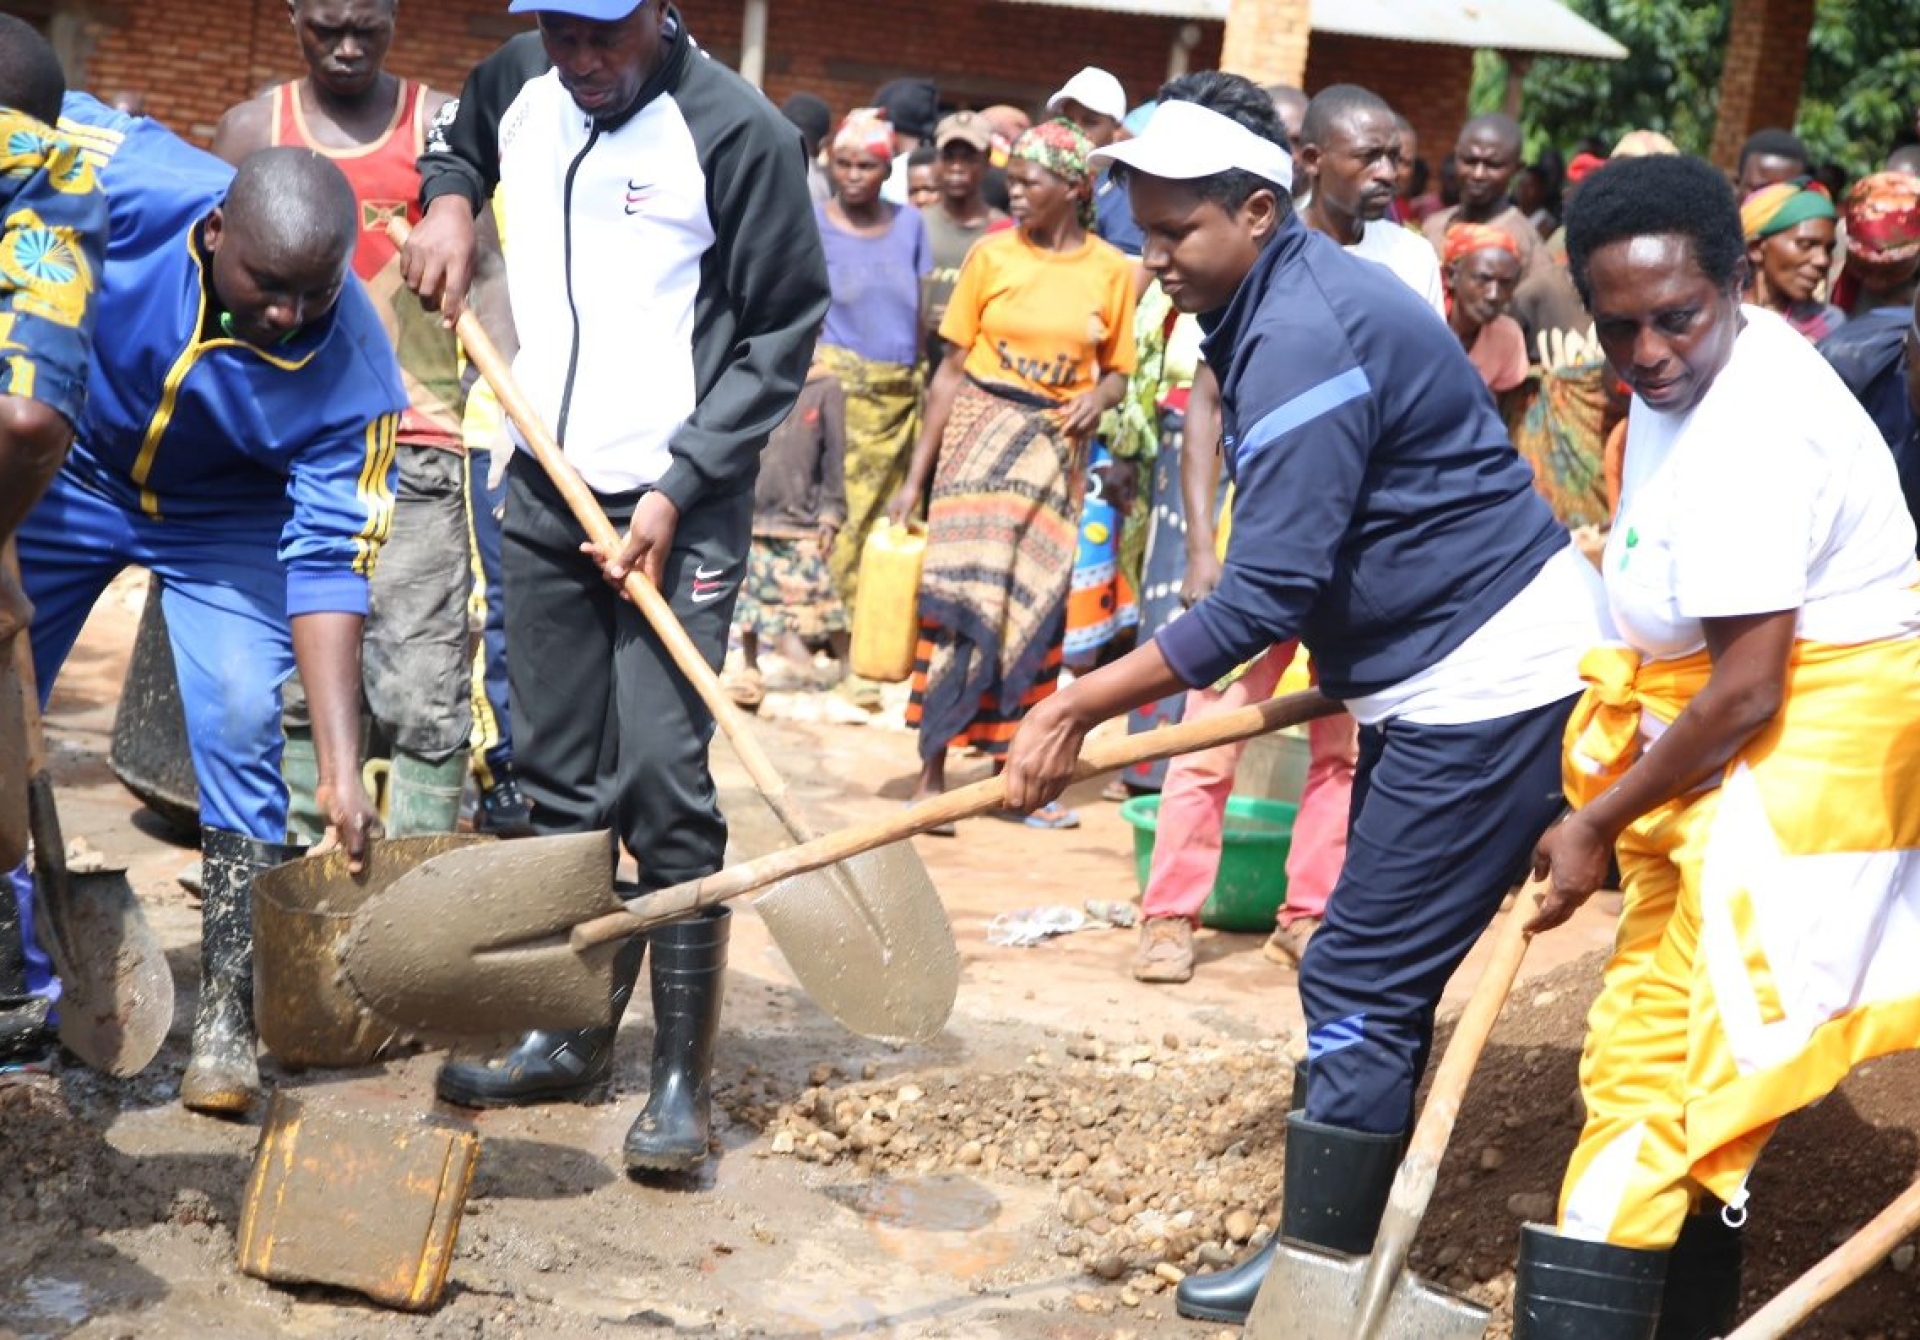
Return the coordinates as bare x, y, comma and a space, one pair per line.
1167, 1159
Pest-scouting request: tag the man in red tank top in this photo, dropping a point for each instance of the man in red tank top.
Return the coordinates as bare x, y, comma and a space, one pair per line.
373, 126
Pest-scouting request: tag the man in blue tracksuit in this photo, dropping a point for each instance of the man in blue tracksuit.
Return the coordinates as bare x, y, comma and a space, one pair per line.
238, 442
1383, 517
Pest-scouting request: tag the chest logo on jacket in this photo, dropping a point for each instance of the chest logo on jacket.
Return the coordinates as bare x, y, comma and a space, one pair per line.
638, 194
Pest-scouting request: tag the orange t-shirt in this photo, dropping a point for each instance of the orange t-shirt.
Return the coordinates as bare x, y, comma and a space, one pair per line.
1045, 323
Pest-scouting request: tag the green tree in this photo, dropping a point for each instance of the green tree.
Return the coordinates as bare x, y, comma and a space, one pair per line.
1862, 82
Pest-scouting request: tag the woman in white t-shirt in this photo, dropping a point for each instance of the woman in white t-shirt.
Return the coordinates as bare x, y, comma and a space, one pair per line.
1751, 753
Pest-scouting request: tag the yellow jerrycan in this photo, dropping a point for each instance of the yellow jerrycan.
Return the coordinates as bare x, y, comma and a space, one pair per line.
886, 610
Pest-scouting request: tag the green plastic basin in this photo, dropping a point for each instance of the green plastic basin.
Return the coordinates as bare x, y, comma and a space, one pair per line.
1252, 883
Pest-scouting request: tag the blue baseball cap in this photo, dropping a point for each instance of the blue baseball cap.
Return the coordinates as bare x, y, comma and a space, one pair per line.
601, 11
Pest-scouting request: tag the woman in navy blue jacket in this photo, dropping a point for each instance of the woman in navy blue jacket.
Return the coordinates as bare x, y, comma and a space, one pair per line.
1384, 518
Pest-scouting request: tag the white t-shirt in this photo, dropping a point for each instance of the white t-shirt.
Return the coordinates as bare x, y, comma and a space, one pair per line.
1526, 656
1408, 255
1774, 492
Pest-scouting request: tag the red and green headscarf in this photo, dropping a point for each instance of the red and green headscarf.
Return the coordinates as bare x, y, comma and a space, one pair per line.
1783, 205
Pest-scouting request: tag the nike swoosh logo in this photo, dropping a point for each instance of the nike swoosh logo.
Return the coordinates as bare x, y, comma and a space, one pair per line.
707, 597
704, 574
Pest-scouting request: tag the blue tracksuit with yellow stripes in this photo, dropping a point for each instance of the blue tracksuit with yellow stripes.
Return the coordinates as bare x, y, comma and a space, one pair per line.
256, 484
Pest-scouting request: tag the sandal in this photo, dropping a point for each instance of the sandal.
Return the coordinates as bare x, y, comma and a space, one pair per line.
745, 686
1050, 815
947, 829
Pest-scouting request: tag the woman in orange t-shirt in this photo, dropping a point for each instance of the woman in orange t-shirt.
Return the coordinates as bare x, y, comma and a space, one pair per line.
1040, 335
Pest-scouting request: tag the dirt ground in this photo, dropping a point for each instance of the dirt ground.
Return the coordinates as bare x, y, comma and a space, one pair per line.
1041, 1171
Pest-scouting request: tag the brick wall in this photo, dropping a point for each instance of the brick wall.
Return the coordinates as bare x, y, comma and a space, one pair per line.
188, 70
1766, 65
1426, 84
1266, 40
977, 53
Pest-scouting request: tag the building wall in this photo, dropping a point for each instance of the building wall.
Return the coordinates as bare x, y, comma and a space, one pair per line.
188, 69
1766, 65
1266, 40
1426, 84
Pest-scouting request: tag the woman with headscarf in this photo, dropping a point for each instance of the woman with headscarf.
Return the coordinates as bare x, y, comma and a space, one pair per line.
1789, 228
1480, 265
1882, 217
1040, 329
876, 255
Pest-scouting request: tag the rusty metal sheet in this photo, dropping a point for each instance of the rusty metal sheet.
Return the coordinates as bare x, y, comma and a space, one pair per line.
354, 1187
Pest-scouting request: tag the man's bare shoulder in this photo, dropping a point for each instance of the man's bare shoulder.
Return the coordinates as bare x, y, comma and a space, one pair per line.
245, 127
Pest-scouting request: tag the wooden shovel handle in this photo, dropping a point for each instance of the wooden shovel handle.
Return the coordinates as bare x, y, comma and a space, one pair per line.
23, 672
586, 509
1413, 1184
1835, 1271
1105, 756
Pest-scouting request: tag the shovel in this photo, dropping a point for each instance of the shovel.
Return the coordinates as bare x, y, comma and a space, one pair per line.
540, 952
1835, 1271
869, 940
1315, 1295
116, 992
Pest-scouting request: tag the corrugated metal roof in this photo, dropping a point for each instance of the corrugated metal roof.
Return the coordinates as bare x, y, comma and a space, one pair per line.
1541, 26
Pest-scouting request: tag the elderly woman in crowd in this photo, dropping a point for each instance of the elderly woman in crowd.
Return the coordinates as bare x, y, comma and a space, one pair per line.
1480, 265
876, 255
1040, 326
1789, 228
1748, 751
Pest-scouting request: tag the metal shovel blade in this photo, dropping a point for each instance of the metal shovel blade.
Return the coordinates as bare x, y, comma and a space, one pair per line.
472, 944
1315, 1295
116, 995
883, 964
116, 1000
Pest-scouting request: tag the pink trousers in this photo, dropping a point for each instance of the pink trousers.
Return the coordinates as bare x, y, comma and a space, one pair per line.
1193, 804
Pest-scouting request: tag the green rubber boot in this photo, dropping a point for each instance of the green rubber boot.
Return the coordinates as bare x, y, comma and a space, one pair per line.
300, 769
423, 797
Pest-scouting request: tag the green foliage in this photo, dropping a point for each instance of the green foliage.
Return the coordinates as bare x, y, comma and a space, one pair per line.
1862, 82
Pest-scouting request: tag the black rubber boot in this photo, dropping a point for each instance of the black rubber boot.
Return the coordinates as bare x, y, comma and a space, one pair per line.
1334, 1194
573, 1065
1703, 1279
26, 1039
1567, 1289
689, 976
223, 1076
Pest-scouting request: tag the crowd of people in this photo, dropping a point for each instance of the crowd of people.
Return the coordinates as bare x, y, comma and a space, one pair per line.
1543, 469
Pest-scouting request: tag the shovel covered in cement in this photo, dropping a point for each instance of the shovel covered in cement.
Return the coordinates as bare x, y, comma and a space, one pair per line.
1316, 1295
487, 941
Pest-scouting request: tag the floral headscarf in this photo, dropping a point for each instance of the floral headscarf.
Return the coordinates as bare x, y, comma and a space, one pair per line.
1062, 148
867, 130
1883, 220
1783, 205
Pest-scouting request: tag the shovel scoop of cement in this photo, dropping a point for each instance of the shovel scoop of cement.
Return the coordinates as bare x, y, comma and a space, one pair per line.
1315, 1295
472, 944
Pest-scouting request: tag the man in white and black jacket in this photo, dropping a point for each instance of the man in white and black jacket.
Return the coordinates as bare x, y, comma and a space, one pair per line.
667, 283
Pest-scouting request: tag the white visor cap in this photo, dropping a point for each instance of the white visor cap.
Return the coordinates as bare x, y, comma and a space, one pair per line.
1185, 140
